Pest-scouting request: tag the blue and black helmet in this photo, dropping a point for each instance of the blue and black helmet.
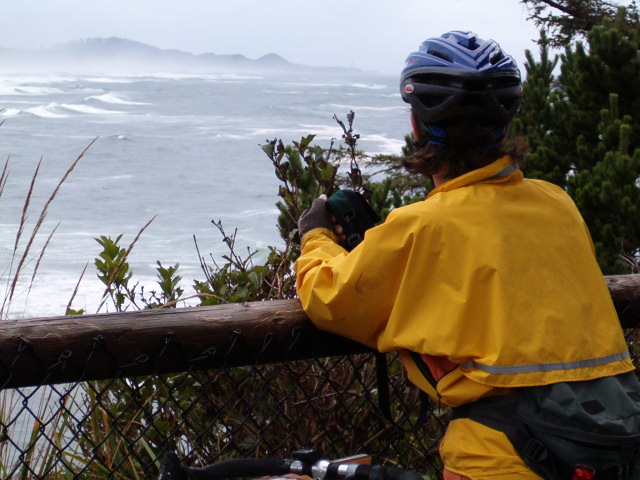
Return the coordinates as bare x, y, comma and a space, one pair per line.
459, 75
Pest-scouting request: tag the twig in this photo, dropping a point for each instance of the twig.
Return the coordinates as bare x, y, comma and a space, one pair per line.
75, 290
42, 250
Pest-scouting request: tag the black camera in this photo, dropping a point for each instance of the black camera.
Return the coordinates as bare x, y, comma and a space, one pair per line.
353, 213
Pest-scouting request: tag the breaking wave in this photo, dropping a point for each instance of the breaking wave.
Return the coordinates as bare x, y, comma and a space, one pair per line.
114, 100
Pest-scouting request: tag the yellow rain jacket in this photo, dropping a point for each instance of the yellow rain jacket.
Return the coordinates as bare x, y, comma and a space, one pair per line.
490, 283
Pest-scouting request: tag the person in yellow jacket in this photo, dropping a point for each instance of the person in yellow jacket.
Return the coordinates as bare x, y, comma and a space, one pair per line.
489, 284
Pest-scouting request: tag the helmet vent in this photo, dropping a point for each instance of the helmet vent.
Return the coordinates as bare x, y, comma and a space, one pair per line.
431, 101
441, 55
475, 86
495, 57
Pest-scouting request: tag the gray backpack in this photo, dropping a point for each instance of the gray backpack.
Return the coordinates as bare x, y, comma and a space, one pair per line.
570, 430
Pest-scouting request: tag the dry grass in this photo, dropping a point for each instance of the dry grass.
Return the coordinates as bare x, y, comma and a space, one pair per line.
23, 252
16, 422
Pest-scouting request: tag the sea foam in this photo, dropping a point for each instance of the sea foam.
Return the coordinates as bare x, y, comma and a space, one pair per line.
46, 111
87, 109
112, 99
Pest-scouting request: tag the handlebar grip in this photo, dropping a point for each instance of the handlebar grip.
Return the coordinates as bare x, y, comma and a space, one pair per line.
170, 468
242, 467
403, 474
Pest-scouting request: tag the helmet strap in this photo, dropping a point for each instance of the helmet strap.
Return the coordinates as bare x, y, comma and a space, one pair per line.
417, 133
435, 135
426, 134
501, 134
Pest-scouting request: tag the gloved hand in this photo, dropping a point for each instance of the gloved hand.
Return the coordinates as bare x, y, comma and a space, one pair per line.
316, 216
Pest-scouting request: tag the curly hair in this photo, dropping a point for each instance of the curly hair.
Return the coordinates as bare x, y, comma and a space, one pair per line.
467, 146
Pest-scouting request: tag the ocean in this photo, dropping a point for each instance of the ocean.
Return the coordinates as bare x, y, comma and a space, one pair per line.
183, 148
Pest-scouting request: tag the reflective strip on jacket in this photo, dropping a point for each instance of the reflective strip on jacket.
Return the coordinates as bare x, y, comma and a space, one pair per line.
492, 280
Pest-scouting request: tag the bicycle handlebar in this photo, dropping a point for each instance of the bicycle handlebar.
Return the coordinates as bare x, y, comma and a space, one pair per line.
317, 469
379, 472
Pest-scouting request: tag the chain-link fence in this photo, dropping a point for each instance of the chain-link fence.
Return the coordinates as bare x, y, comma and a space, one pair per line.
99, 397
247, 394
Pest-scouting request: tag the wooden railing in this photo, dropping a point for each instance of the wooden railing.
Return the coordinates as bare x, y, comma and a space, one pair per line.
52, 350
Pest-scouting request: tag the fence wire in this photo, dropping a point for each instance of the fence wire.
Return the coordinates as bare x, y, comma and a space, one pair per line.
120, 428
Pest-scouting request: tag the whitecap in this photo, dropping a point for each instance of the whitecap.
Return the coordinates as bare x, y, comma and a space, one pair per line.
312, 85
370, 87
230, 136
87, 109
109, 80
9, 112
10, 90
268, 131
230, 78
48, 111
320, 131
119, 136
31, 90
327, 131
236, 76
174, 76
112, 99
388, 145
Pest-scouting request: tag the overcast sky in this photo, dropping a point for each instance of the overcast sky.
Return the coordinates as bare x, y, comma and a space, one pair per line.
368, 34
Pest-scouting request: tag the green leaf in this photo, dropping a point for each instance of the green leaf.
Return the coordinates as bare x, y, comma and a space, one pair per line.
255, 280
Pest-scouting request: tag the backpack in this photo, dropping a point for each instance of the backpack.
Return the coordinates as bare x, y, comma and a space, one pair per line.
570, 430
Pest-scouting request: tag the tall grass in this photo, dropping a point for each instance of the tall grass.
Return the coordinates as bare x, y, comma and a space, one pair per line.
28, 447
23, 253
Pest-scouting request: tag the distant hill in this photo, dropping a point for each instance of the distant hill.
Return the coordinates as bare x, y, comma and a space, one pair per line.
119, 54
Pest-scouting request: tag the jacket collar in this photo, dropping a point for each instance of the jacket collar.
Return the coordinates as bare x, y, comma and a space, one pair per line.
502, 171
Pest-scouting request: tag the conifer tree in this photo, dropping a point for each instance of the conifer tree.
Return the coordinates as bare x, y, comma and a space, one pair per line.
537, 117
585, 136
567, 20
608, 194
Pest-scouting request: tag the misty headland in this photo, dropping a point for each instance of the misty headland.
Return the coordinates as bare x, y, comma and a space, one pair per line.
122, 55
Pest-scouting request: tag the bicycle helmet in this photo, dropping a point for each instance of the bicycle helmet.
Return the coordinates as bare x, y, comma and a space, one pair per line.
459, 75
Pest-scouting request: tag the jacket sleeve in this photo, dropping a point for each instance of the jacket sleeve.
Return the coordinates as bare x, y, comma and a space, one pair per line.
353, 293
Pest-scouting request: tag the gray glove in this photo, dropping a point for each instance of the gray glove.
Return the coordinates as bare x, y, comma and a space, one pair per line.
316, 216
